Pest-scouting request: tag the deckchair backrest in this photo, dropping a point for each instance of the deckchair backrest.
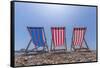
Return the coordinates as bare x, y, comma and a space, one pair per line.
38, 36
78, 37
58, 35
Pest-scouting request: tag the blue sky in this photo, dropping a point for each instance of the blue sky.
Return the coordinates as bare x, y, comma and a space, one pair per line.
48, 15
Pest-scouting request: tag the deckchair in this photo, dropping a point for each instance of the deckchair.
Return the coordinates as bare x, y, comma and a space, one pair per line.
58, 39
38, 38
78, 38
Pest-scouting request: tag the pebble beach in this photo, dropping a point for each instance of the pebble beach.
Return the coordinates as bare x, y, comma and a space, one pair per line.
55, 58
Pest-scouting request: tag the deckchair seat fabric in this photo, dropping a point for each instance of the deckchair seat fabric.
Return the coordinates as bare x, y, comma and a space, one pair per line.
37, 35
79, 34
58, 36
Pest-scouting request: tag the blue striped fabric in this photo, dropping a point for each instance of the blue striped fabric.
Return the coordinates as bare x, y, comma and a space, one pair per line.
37, 36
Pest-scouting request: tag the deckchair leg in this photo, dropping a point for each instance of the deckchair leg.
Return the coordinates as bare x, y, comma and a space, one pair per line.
65, 45
47, 48
86, 43
28, 45
51, 46
54, 47
44, 48
71, 47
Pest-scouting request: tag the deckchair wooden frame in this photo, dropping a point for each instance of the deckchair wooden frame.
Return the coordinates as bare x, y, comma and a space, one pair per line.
52, 48
44, 47
72, 44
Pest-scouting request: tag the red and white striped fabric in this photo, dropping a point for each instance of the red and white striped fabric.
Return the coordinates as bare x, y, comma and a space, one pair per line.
78, 36
58, 35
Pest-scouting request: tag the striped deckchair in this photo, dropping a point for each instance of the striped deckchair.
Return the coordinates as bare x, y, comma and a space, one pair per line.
58, 39
37, 38
78, 38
